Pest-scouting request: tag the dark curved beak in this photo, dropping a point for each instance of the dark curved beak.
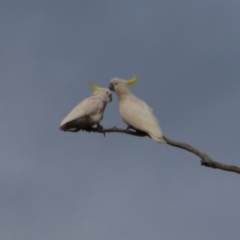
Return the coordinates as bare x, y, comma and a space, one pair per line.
111, 87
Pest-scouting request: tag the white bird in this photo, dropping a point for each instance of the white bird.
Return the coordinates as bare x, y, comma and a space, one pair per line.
135, 112
88, 112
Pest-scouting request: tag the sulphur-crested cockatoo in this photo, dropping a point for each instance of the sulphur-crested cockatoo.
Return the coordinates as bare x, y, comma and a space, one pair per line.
88, 112
135, 112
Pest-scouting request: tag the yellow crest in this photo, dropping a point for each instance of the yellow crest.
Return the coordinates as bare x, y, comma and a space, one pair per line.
92, 86
132, 81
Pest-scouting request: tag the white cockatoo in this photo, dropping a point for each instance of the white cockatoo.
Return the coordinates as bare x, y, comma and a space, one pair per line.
135, 112
88, 112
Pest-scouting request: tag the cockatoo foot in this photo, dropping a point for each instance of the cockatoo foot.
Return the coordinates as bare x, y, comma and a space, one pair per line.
100, 127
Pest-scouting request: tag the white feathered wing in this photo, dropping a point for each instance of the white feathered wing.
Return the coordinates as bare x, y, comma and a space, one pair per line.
138, 115
84, 115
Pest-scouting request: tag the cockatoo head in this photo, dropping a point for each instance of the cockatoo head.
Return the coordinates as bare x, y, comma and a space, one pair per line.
120, 86
105, 93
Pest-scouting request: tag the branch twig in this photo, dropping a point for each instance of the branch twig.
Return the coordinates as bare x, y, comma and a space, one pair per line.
205, 159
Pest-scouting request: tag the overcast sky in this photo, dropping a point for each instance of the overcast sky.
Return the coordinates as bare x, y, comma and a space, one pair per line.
58, 185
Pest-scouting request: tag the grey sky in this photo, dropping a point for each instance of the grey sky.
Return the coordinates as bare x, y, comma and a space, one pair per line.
57, 185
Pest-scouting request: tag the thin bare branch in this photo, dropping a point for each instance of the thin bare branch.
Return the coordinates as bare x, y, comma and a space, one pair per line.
205, 159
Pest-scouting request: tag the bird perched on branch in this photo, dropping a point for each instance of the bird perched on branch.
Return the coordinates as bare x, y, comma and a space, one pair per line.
88, 112
135, 112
